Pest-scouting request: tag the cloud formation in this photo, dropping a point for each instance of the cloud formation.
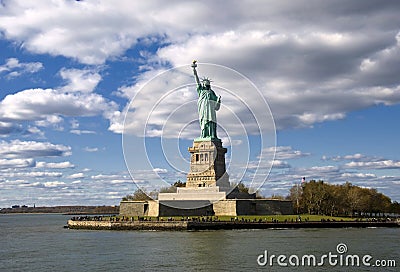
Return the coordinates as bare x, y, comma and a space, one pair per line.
17, 149
16, 163
55, 165
79, 80
48, 107
38, 104
13, 68
313, 65
382, 164
285, 153
76, 176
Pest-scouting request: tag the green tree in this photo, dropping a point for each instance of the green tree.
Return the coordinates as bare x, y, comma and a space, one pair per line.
277, 197
242, 188
296, 196
172, 188
314, 196
334, 200
356, 199
138, 195
179, 184
395, 207
319, 197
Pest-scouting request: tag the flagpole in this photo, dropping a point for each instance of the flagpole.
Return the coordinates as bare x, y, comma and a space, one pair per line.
297, 198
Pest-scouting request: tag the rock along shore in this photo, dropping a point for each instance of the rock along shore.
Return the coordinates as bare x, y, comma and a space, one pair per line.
217, 225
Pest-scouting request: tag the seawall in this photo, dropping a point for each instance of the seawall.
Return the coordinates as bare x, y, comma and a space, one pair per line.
217, 225
129, 225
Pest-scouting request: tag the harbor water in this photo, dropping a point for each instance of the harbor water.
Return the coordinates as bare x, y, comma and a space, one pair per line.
38, 242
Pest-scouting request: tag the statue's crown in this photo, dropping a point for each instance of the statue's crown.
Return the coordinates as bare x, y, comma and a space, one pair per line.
206, 80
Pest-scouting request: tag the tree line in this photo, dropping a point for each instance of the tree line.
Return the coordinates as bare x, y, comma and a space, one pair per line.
319, 197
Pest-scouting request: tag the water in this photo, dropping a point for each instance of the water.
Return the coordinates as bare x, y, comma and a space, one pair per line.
32, 242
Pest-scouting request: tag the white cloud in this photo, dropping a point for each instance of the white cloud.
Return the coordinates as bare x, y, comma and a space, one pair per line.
7, 128
383, 164
91, 149
356, 157
299, 86
120, 181
55, 165
79, 80
74, 124
76, 176
29, 184
14, 68
358, 175
361, 161
49, 120
34, 130
278, 164
285, 153
16, 163
326, 172
47, 107
169, 114
103, 176
230, 142
324, 169
44, 104
34, 174
32, 149
160, 170
105, 29
80, 132
310, 67
53, 184
43, 174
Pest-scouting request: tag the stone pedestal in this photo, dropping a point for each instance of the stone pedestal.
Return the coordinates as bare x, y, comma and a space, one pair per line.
211, 194
207, 164
226, 207
207, 179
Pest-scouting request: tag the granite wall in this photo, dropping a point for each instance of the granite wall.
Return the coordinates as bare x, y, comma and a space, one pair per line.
133, 208
229, 207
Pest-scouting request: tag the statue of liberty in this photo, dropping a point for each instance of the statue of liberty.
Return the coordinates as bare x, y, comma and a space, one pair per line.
207, 104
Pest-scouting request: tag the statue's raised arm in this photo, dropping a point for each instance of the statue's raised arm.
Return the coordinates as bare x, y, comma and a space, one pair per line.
194, 65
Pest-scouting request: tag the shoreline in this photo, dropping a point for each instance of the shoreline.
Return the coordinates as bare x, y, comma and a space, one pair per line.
61, 213
67, 210
219, 225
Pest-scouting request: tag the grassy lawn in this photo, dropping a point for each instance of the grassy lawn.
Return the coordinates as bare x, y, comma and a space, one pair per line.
288, 218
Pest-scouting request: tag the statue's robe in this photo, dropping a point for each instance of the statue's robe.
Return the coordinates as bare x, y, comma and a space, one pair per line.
207, 105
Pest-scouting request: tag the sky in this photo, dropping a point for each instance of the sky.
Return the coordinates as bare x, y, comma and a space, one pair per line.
97, 97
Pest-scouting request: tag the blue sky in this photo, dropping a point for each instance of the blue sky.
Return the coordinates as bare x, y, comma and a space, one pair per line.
329, 71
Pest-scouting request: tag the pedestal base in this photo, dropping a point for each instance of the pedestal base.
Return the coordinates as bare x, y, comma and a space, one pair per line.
207, 164
211, 194
227, 207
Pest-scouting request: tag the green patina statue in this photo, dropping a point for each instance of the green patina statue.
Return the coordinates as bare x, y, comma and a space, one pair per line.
207, 104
